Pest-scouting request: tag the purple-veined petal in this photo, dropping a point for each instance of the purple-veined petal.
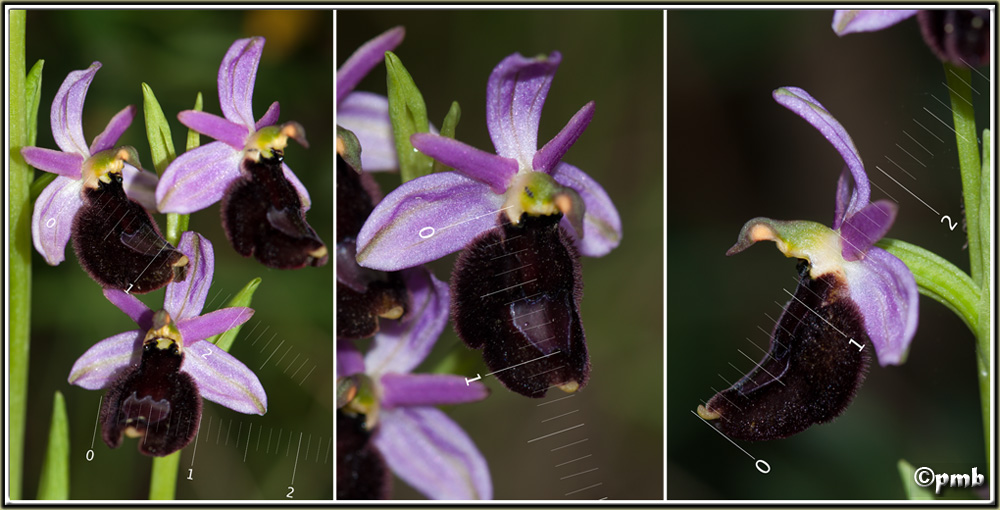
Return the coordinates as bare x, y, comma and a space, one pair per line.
224, 130
223, 379
407, 390
135, 309
236, 80
270, 117
213, 323
433, 454
67, 110
548, 157
66, 164
364, 59
496, 171
197, 178
185, 299
886, 293
842, 198
401, 345
104, 361
349, 359
52, 219
850, 21
426, 219
515, 94
805, 106
868, 225
116, 126
602, 227
299, 187
367, 116
140, 185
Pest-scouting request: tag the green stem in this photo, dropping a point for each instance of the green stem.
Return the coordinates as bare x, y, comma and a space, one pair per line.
163, 480
960, 91
938, 279
20, 255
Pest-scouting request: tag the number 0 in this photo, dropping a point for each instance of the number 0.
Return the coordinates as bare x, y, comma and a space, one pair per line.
90, 455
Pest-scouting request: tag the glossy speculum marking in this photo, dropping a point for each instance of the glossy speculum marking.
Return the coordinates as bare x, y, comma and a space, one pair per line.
118, 243
810, 373
516, 294
263, 217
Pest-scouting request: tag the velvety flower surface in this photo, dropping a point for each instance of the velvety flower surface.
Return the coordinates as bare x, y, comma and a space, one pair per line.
217, 375
79, 165
432, 216
421, 444
364, 113
851, 295
958, 36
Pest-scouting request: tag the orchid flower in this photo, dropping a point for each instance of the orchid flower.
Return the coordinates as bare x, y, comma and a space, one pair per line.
155, 374
100, 190
852, 297
383, 406
959, 36
364, 113
264, 203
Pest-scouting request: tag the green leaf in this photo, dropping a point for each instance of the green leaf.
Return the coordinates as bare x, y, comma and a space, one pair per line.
193, 138
242, 298
460, 361
913, 491
33, 97
176, 225
448, 131
938, 279
161, 144
408, 114
54, 482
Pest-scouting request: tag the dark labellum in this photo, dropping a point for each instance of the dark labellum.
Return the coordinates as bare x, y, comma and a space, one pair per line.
153, 401
118, 243
361, 470
811, 371
959, 36
263, 217
363, 295
516, 294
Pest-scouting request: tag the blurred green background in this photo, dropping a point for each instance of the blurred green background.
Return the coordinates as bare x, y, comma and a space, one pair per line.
288, 342
733, 154
616, 59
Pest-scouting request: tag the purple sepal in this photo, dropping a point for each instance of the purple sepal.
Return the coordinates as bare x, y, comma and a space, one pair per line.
349, 359
548, 157
66, 164
223, 130
104, 361
236, 80
67, 110
131, 306
367, 116
860, 231
270, 117
426, 219
886, 293
116, 126
402, 345
429, 390
805, 106
223, 379
364, 59
197, 178
515, 94
433, 454
602, 227
185, 299
52, 219
851, 21
496, 171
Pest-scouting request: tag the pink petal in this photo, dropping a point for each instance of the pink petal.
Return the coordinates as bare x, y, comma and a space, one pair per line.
848, 21
408, 390
496, 171
365, 58
349, 359
199, 328
116, 126
270, 117
66, 164
233, 134
548, 157
135, 309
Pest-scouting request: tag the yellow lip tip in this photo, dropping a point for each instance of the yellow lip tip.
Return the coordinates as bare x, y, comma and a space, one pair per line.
569, 386
708, 415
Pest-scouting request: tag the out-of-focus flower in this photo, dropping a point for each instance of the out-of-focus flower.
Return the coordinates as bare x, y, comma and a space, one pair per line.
154, 375
852, 296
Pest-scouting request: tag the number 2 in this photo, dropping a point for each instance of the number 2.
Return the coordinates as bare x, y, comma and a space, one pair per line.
291, 490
